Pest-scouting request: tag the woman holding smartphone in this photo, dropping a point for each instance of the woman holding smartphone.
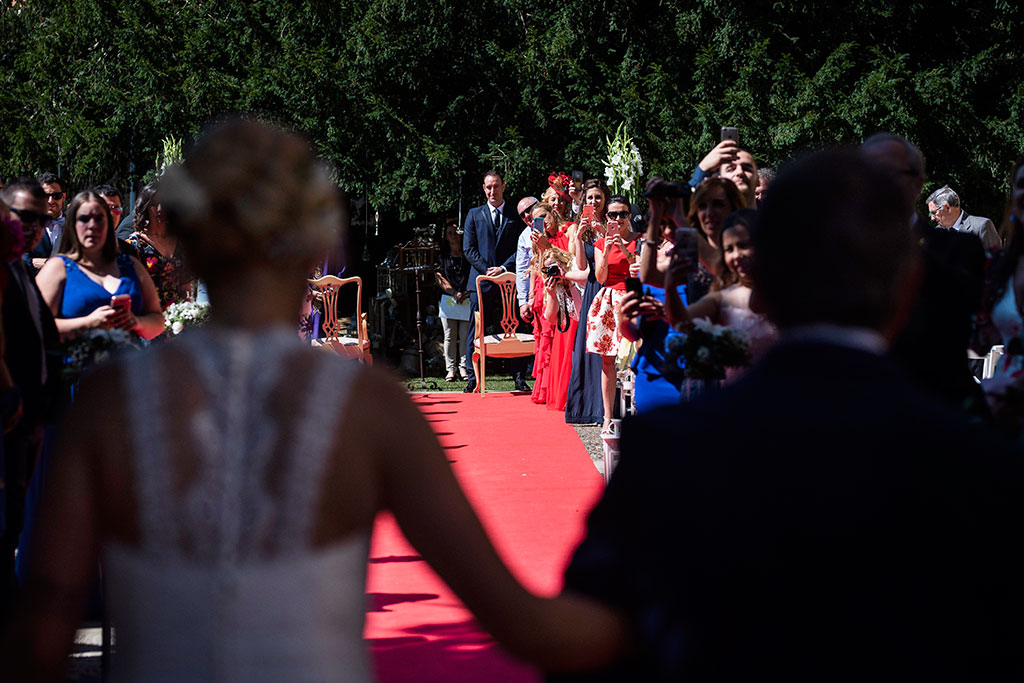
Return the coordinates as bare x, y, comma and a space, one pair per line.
584, 403
614, 253
91, 285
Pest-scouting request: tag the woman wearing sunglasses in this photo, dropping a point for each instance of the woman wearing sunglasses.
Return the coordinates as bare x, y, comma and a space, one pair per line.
614, 253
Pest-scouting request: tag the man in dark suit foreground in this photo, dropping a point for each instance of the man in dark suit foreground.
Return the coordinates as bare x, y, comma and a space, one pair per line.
820, 519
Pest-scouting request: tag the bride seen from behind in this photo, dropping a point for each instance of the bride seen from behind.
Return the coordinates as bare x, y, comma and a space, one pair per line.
243, 530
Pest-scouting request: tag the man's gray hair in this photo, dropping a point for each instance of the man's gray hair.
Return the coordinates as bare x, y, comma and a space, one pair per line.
942, 197
766, 172
914, 156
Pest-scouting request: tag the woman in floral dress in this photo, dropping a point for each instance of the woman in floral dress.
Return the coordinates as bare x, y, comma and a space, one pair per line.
613, 254
158, 250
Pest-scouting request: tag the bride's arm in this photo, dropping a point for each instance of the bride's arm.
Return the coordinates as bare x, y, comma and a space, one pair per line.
65, 547
563, 633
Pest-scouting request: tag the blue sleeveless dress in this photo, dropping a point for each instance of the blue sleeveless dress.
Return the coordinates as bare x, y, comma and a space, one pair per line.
82, 295
652, 389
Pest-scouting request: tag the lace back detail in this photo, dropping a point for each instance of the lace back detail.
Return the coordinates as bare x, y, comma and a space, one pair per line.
253, 495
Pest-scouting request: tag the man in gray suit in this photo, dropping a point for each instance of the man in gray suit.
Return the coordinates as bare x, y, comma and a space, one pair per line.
944, 208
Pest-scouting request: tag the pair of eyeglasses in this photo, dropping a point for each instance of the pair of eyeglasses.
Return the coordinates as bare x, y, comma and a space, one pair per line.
525, 215
936, 211
29, 217
618, 215
55, 195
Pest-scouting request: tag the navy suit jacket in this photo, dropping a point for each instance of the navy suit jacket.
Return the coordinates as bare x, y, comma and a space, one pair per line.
820, 519
486, 247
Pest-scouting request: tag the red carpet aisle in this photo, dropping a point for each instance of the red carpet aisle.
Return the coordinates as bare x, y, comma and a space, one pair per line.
532, 484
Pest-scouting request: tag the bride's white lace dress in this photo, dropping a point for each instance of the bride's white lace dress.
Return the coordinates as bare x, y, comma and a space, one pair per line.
226, 584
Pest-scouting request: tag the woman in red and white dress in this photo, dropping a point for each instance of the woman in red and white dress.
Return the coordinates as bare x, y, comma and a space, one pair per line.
613, 255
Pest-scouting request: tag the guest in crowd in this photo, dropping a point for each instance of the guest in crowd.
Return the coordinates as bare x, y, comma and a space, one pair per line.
730, 161
614, 253
53, 188
30, 341
158, 249
642, 318
825, 521
453, 281
524, 254
557, 195
553, 235
765, 176
729, 302
112, 197
584, 403
944, 208
1005, 390
713, 200
932, 347
79, 286
210, 420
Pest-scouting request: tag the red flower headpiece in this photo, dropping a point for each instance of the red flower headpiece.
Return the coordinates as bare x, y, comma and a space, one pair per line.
560, 183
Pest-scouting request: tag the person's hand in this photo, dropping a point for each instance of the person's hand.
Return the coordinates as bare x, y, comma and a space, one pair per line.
631, 306
634, 269
722, 153
551, 282
105, 317
494, 270
526, 311
38, 263
682, 264
540, 239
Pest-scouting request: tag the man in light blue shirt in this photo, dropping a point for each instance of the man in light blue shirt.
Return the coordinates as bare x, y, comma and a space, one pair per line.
523, 250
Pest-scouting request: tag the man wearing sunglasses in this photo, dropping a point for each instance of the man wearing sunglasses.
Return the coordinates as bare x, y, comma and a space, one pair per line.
53, 187
28, 331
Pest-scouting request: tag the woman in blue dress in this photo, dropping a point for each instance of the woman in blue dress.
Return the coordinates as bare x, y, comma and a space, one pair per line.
584, 404
80, 286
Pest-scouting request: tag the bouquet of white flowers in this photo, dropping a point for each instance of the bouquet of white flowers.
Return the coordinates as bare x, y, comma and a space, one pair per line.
95, 346
707, 350
182, 314
623, 167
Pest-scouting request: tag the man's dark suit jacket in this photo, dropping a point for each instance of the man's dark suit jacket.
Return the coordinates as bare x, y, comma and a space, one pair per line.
22, 346
819, 520
484, 247
932, 348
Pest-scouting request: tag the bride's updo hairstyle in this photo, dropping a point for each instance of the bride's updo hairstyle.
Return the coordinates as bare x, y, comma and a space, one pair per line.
250, 195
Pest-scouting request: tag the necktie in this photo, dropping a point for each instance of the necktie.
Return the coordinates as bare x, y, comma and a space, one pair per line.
497, 220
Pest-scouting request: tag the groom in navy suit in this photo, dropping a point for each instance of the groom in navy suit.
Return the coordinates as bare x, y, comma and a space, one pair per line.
489, 242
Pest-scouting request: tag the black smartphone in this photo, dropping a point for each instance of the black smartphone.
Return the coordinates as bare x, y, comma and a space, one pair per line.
538, 224
633, 284
577, 179
731, 133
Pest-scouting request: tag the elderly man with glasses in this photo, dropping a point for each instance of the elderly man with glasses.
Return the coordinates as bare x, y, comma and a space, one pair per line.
944, 209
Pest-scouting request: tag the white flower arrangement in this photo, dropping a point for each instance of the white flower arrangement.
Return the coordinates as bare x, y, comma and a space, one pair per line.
707, 350
95, 346
184, 314
623, 168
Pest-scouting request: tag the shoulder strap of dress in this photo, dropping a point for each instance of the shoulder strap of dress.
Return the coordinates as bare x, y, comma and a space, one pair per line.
325, 406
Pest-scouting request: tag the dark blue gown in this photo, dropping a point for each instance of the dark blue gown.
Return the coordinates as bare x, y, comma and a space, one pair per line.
584, 404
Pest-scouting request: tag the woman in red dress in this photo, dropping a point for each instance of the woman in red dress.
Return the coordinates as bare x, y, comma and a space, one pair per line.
595, 194
543, 329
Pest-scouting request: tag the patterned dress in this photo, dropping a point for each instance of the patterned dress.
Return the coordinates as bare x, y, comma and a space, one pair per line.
603, 335
173, 283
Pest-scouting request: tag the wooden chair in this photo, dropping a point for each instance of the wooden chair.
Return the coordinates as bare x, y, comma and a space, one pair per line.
358, 347
508, 343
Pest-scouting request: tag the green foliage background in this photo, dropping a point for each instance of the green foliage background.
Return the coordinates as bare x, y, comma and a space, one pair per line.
406, 97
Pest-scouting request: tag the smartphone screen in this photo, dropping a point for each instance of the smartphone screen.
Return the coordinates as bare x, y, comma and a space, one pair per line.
577, 178
538, 224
